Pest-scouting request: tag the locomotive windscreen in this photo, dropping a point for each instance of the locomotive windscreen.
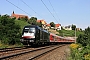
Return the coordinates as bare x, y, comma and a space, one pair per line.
30, 30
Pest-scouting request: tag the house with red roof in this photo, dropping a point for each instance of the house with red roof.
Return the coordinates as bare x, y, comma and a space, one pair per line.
48, 26
58, 26
43, 23
17, 16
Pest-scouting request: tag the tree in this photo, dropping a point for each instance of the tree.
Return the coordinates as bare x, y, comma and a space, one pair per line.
52, 24
73, 27
87, 31
9, 31
39, 24
84, 39
32, 20
62, 28
23, 18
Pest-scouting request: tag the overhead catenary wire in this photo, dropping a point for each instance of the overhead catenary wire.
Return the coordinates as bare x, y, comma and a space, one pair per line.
54, 9
48, 10
30, 8
18, 7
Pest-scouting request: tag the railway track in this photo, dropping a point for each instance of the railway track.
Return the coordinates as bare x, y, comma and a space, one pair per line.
45, 52
29, 53
11, 49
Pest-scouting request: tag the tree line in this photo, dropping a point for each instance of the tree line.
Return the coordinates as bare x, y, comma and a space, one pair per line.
84, 39
9, 31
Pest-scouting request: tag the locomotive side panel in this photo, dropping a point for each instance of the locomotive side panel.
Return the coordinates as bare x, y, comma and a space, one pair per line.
46, 36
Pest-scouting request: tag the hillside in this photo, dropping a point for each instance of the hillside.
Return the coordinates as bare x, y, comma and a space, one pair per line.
61, 32
21, 23
53, 31
70, 33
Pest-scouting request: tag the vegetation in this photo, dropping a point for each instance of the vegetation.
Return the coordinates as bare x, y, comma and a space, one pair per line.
70, 33
33, 20
73, 27
52, 24
79, 52
82, 51
9, 31
21, 23
23, 19
85, 38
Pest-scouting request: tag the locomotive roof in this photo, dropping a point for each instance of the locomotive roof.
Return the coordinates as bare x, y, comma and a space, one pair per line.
37, 27
31, 26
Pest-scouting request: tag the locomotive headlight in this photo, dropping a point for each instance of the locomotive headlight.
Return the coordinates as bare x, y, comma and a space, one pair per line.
31, 40
22, 35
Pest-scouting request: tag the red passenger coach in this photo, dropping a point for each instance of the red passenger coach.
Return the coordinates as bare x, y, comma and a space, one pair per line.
52, 37
58, 39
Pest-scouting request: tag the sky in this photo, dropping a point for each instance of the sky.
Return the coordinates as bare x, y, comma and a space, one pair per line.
64, 12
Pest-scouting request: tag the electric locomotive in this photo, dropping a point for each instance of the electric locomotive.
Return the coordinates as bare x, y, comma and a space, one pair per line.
33, 35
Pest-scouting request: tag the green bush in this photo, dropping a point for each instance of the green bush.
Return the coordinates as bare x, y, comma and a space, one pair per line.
84, 39
9, 31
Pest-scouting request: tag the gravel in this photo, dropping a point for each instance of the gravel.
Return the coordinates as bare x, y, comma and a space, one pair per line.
61, 53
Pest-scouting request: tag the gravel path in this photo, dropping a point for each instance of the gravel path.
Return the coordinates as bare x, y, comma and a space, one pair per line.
61, 53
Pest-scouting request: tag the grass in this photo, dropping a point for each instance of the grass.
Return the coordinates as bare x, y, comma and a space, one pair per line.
69, 33
21, 23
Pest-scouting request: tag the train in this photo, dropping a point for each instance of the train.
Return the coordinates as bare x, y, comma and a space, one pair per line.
35, 35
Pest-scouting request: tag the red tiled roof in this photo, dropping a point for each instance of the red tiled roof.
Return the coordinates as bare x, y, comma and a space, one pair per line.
57, 25
42, 21
18, 15
39, 21
48, 25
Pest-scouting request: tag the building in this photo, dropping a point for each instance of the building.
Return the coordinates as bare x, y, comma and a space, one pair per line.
48, 26
17, 16
58, 26
69, 27
78, 29
43, 22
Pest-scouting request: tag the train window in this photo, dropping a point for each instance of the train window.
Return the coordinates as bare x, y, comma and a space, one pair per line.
32, 30
26, 30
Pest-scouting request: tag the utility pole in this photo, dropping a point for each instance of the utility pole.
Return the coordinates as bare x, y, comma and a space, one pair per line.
75, 35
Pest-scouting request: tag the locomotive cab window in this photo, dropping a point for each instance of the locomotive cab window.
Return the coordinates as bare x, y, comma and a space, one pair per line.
26, 30
32, 30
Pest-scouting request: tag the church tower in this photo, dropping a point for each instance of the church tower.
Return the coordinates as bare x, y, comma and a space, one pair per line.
13, 12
